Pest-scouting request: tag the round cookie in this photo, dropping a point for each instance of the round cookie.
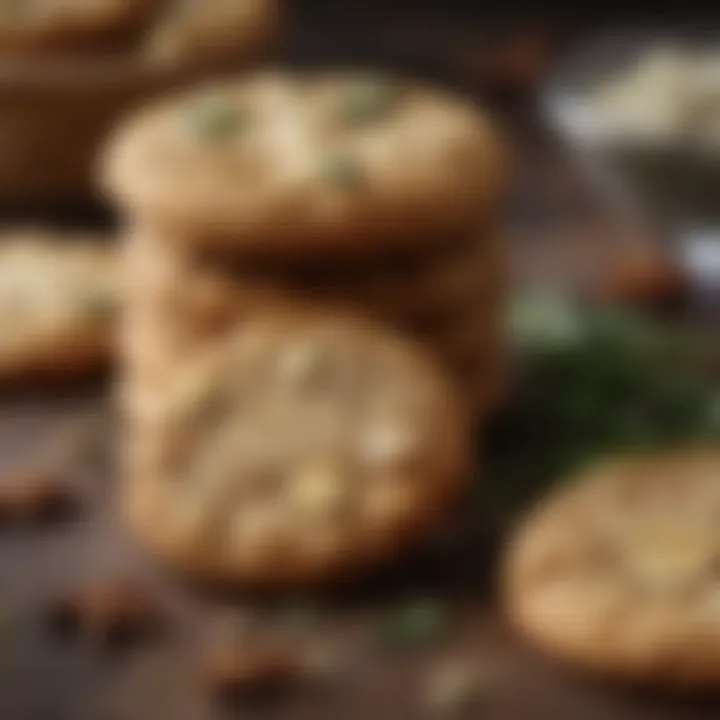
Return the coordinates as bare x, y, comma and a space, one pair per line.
618, 573
299, 450
36, 27
58, 297
188, 30
290, 163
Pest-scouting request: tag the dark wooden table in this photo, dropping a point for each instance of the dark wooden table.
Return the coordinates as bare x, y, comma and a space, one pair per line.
558, 229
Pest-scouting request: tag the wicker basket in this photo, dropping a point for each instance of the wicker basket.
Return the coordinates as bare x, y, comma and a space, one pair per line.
54, 115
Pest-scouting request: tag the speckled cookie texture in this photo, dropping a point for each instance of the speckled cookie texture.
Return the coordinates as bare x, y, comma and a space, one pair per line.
300, 162
58, 300
297, 450
618, 572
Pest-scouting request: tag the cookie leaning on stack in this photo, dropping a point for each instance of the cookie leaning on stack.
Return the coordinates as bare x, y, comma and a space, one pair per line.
298, 449
342, 189
618, 573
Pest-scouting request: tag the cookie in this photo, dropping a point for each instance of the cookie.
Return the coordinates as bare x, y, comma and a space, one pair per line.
291, 163
154, 341
191, 30
618, 572
420, 295
297, 451
171, 315
37, 27
58, 298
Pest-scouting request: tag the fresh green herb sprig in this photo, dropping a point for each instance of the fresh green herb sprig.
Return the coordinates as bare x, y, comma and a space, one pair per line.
369, 99
595, 382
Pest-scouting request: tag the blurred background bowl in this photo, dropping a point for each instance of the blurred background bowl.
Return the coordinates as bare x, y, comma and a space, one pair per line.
675, 184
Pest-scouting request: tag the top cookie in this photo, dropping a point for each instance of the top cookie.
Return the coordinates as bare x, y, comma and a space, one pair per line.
299, 448
37, 26
619, 572
296, 162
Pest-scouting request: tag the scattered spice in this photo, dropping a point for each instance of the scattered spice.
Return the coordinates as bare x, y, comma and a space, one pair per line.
35, 496
72, 443
455, 686
252, 670
416, 623
322, 662
646, 278
107, 613
368, 99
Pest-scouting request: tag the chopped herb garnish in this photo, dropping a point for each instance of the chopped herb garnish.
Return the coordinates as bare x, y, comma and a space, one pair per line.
343, 172
416, 623
217, 120
368, 100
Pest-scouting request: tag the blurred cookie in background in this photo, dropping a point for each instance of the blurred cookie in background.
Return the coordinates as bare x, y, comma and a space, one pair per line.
58, 303
186, 30
72, 68
33, 28
617, 572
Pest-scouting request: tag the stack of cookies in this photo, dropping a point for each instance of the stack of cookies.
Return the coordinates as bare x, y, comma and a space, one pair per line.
342, 190
341, 229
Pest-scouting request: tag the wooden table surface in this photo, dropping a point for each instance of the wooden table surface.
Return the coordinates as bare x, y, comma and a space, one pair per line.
557, 230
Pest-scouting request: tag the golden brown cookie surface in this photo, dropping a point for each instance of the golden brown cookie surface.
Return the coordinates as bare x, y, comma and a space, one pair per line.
58, 298
618, 573
290, 162
300, 448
